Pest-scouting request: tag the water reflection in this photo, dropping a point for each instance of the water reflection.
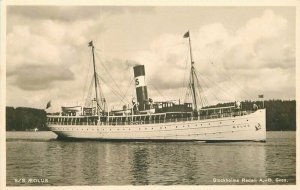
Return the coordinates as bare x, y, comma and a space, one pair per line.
184, 163
140, 166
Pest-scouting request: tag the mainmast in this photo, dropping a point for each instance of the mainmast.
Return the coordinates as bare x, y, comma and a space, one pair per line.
187, 35
95, 75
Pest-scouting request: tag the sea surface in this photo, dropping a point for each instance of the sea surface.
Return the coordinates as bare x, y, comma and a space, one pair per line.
38, 159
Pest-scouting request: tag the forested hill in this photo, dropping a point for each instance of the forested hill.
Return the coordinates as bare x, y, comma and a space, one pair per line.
23, 119
281, 115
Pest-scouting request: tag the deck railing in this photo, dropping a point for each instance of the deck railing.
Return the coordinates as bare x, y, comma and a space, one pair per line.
141, 121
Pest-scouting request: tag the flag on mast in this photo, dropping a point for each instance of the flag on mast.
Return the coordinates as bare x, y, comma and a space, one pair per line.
91, 44
48, 105
261, 96
187, 34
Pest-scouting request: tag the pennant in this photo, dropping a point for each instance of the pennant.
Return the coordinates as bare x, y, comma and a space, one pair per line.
187, 34
48, 105
261, 96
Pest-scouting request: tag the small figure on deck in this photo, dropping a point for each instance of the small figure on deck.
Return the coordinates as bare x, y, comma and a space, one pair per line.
237, 105
255, 107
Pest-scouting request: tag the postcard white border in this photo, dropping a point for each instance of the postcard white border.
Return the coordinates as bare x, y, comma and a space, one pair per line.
5, 3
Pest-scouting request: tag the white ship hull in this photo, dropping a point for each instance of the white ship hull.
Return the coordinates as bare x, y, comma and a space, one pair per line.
251, 127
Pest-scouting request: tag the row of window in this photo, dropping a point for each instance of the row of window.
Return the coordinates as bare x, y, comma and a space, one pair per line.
116, 123
146, 128
207, 133
240, 126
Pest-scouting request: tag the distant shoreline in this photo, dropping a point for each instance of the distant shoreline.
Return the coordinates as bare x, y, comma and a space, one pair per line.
280, 116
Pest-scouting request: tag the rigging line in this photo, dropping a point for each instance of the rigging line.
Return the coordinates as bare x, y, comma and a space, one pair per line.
127, 50
188, 95
229, 78
89, 94
218, 85
86, 78
185, 71
205, 85
246, 94
114, 91
205, 88
212, 92
102, 97
150, 84
144, 49
198, 97
192, 91
197, 92
108, 73
202, 98
128, 89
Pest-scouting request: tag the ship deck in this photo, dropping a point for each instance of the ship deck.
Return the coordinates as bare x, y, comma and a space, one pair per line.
140, 119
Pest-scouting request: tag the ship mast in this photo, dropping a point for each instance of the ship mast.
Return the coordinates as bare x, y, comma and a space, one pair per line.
192, 82
95, 75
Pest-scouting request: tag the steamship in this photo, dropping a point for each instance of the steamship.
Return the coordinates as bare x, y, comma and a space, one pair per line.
147, 120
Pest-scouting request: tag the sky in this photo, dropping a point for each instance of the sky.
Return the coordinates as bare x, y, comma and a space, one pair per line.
239, 52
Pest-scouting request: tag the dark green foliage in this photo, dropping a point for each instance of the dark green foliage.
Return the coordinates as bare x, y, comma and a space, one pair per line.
22, 119
281, 114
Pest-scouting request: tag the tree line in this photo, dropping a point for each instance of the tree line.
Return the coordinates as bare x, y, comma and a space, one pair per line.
280, 116
24, 119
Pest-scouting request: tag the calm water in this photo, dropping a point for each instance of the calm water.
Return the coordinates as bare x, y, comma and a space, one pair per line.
37, 158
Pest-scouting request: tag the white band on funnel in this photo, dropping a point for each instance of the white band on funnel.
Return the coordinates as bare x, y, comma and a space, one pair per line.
140, 81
